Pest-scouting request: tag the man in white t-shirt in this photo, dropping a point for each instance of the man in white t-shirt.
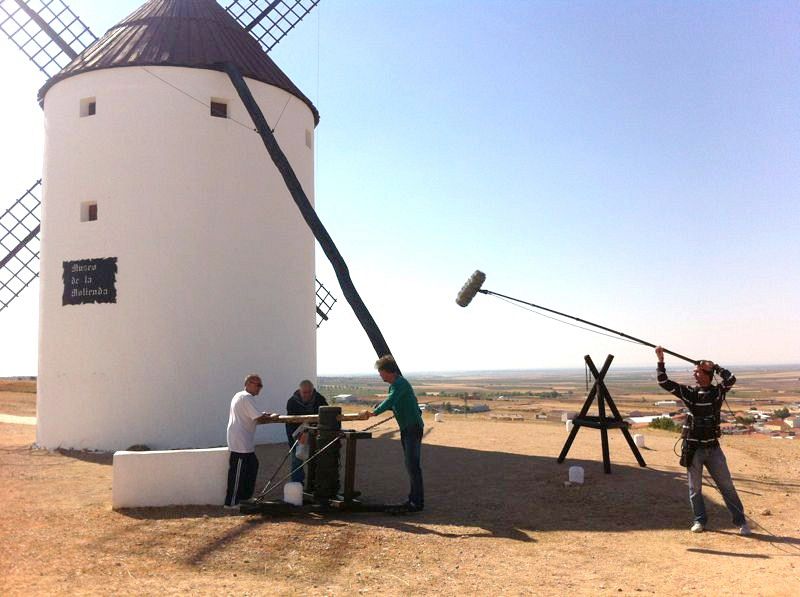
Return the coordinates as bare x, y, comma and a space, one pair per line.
243, 464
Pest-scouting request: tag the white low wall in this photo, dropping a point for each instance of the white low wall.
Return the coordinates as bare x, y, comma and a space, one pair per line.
169, 477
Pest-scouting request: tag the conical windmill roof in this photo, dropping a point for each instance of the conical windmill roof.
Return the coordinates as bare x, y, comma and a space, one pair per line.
188, 33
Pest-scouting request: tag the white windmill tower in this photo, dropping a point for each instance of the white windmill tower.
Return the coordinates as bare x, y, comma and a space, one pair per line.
173, 259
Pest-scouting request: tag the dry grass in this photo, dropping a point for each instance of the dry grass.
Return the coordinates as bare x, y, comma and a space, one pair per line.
499, 520
27, 386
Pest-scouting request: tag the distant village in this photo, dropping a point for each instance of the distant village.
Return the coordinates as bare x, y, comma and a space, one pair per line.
781, 422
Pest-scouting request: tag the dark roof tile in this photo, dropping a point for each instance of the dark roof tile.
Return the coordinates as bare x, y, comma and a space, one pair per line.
189, 33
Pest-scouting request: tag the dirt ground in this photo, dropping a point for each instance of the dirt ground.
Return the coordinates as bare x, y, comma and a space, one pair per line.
498, 520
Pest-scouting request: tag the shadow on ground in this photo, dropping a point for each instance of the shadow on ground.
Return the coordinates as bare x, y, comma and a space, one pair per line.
104, 458
474, 493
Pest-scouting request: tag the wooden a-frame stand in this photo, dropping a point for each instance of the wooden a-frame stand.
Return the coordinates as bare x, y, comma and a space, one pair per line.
601, 422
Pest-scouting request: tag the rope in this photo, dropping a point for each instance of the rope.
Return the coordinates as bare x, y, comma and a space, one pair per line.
267, 491
381, 422
275, 474
586, 375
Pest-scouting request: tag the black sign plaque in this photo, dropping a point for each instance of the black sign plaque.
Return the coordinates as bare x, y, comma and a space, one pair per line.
90, 281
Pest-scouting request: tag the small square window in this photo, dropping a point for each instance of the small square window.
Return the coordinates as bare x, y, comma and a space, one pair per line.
88, 211
309, 139
219, 108
88, 106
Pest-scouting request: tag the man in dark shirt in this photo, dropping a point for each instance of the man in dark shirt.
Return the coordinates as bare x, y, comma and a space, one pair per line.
403, 403
305, 401
701, 435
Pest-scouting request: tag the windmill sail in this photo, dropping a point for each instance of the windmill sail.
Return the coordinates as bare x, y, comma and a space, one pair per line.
270, 20
19, 245
325, 302
47, 32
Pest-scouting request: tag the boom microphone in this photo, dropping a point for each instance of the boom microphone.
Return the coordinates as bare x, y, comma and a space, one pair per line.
476, 280
471, 288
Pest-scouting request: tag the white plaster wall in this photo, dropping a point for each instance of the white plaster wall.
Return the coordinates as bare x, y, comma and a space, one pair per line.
215, 265
169, 478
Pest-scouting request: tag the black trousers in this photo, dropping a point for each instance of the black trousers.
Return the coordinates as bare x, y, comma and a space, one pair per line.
242, 472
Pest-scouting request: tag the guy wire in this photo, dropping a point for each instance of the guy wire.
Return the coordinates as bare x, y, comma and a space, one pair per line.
202, 103
267, 491
535, 312
281, 114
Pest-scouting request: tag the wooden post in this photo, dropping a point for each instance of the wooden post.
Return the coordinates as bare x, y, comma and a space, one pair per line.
326, 485
601, 411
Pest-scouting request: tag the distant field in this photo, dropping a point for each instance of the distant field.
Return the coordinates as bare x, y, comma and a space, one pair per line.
18, 385
529, 393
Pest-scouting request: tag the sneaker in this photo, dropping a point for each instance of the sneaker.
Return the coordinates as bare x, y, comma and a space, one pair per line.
745, 530
233, 507
698, 527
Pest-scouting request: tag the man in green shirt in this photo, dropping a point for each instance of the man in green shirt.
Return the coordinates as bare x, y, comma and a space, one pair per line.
403, 403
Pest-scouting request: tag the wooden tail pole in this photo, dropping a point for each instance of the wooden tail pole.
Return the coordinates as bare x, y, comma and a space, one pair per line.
307, 211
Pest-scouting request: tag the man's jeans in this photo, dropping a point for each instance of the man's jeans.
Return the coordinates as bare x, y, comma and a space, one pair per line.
714, 461
411, 439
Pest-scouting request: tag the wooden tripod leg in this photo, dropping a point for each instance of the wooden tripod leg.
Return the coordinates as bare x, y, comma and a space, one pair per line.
602, 393
632, 444
568, 444
626, 433
574, 431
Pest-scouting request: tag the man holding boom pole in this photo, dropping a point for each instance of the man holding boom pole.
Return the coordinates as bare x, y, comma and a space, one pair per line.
701, 434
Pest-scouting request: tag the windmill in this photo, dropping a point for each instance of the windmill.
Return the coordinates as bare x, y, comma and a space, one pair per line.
51, 35
67, 52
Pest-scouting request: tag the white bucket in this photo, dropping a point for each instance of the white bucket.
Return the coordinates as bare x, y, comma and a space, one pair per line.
638, 439
438, 417
569, 425
293, 494
576, 475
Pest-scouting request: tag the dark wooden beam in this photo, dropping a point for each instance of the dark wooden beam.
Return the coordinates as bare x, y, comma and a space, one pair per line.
44, 26
31, 235
307, 211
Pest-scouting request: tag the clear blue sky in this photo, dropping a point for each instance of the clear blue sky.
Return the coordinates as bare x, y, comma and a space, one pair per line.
636, 164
